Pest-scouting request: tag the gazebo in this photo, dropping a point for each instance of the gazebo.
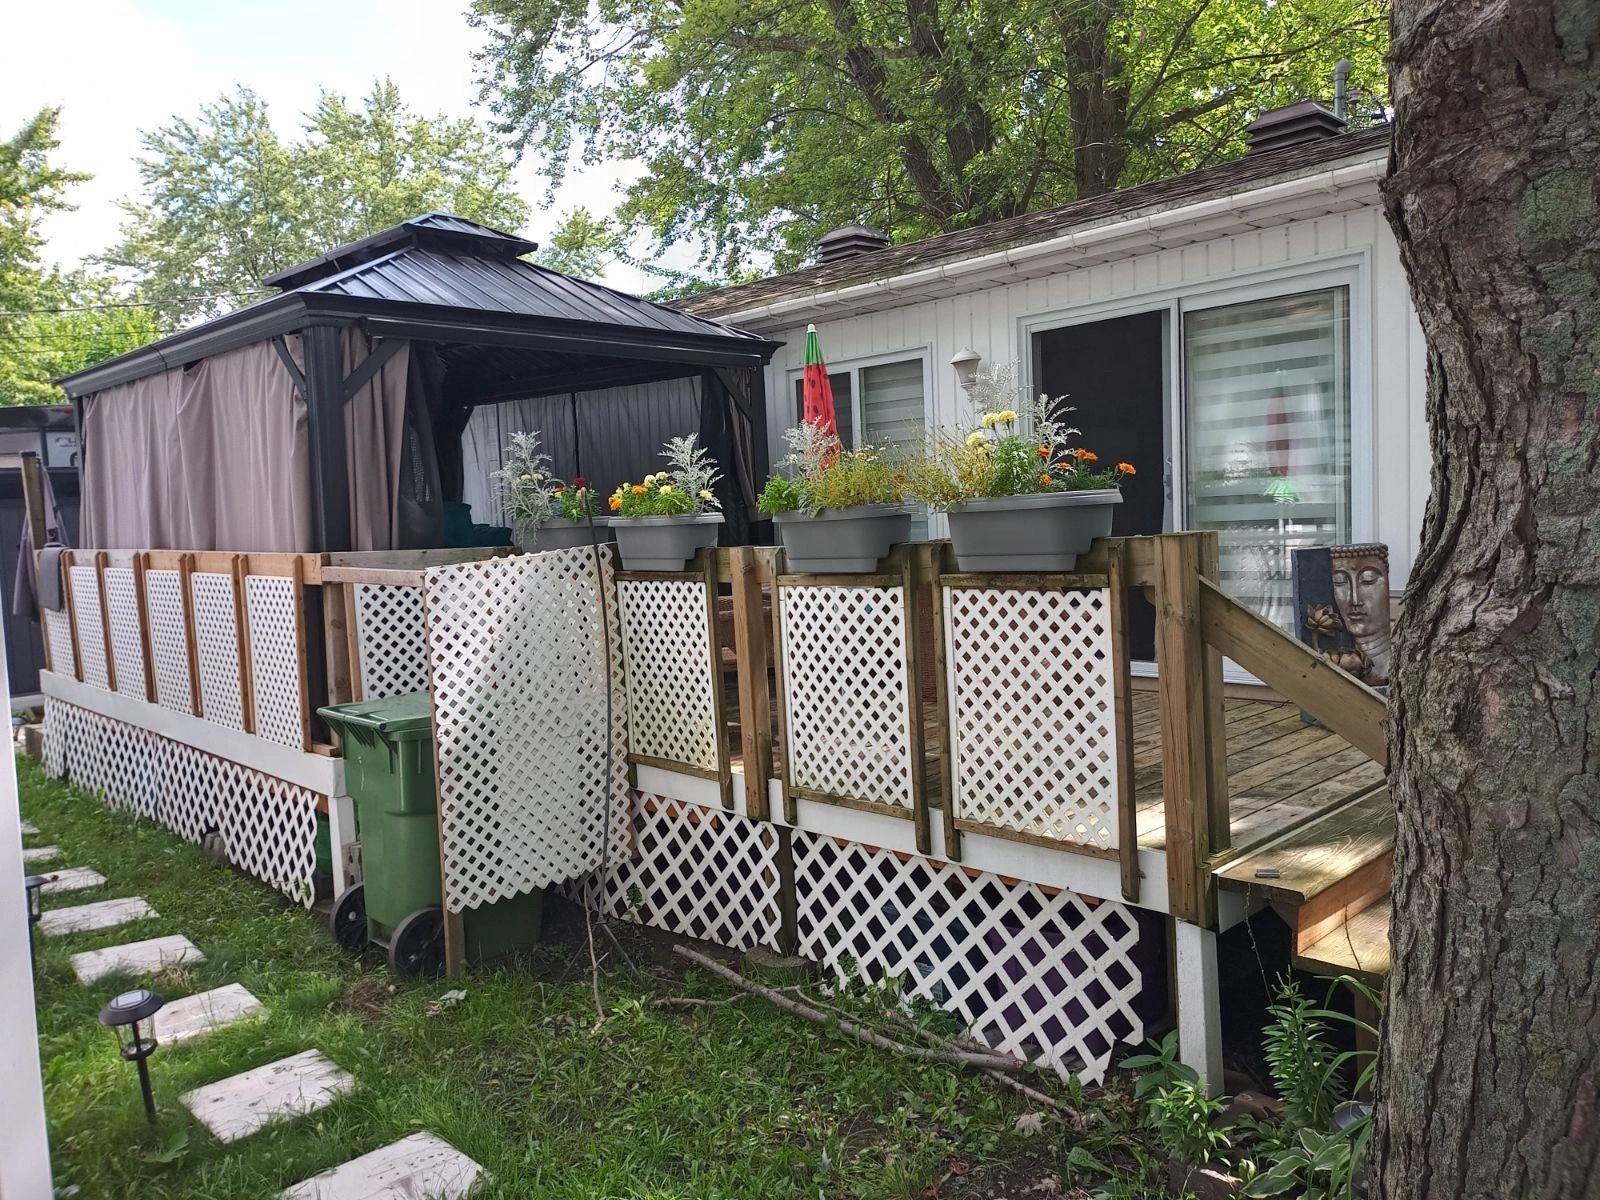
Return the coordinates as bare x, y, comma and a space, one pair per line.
330, 416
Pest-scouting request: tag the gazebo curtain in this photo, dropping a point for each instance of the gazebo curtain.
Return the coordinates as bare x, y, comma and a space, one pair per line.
215, 456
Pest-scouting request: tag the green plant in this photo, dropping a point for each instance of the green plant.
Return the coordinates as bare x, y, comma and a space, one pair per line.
1160, 1068
818, 473
1181, 1115
683, 490
531, 493
1304, 1068
997, 457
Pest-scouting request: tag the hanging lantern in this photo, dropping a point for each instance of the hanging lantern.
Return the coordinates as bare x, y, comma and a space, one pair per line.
126, 1014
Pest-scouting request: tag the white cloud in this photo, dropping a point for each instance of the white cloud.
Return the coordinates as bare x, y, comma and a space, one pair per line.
119, 66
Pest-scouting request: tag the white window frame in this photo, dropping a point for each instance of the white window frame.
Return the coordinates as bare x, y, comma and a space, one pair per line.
1351, 269
853, 367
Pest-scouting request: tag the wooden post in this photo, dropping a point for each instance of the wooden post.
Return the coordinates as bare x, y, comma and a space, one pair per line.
790, 808
301, 652
190, 636
67, 561
1185, 760
352, 629
750, 651
33, 501
336, 618
101, 561
141, 563
241, 633
1220, 820
917, 610
930, 561
1122, 721
706, 563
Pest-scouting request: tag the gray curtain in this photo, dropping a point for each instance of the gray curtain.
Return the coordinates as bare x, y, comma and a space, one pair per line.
214, 456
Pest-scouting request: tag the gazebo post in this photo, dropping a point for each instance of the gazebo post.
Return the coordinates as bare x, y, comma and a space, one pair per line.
330, 494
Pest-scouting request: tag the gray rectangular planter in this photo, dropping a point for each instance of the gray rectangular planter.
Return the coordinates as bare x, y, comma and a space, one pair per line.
839, 541
663, 543
558, 533
1044, 531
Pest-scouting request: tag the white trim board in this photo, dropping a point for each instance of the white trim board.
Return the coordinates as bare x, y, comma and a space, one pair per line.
319, 773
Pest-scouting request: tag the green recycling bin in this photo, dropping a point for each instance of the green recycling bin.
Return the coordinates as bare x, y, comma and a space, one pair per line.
388, 771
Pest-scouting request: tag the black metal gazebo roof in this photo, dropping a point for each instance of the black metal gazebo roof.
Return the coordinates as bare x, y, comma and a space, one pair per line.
504, 328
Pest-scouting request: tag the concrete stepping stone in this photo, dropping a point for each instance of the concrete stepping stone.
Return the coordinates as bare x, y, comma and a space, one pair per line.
236, 1107
415, 1167
204, 1012
28, 827
71, 879
102, 914
41, 854
136, 958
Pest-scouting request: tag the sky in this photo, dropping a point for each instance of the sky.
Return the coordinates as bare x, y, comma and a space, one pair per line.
120, 66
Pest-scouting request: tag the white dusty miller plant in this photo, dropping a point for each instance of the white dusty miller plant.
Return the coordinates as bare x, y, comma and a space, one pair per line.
997, 391
693, 470
524, 483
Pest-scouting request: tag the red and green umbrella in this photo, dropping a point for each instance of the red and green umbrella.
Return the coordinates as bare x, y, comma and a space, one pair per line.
818, 407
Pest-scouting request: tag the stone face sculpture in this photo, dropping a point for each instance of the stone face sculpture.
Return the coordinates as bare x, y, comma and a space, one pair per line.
1361, 595
1341, 597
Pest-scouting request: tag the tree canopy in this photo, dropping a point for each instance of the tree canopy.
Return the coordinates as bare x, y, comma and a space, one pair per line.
761, 125
227, 200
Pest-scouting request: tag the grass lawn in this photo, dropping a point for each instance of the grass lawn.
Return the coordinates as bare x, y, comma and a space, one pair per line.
740, 1100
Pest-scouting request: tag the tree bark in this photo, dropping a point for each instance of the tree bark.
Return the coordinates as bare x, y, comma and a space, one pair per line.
1488, 1080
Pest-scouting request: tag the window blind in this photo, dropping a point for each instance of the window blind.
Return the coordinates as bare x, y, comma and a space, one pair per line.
892, 417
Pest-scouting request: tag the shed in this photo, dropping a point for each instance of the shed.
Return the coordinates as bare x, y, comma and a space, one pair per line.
330, 416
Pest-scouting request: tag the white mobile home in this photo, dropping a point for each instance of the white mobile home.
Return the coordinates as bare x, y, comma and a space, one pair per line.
1244, 335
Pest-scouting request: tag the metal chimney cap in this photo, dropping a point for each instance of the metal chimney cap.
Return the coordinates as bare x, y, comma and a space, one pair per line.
848, 241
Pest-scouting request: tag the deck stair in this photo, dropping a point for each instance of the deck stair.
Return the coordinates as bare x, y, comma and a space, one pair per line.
1329, 880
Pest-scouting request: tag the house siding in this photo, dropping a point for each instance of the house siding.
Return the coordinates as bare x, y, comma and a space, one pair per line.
1391, 451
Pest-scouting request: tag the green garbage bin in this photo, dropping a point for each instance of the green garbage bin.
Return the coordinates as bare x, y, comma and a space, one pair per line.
388, 757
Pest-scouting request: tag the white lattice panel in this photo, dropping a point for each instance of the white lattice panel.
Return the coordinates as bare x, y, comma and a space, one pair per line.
216, 634
667, 657
127, 631
269, 826
1033, 713
391, 640
91, 630
169, 642
847, 697
58, 637
1053, 978
276, 688
698, 872
520, 680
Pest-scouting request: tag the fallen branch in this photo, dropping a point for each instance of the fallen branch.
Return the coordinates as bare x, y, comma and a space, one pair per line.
594, 973
693, 1001
966, 1058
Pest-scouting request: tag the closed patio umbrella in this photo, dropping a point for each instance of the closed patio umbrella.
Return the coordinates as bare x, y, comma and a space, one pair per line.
818, 406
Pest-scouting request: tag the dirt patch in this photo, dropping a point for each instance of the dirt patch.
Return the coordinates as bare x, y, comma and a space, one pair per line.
369, 998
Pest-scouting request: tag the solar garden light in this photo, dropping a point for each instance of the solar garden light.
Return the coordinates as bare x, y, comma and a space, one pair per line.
124, 1014
33, 885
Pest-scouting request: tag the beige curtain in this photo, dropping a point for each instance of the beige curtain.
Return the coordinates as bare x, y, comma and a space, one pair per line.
214, 456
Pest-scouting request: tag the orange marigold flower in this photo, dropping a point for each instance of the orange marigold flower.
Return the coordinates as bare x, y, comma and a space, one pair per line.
639, 489
1043, 451
1046, 479
1062, 467
1126, 469
615, 502
1086, 456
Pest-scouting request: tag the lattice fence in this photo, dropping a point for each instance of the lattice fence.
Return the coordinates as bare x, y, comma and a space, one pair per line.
848, 701
216, 631
668, 650
269, 826
698, 872
1053, 978
391, 640
127, 634
169, 642
520, 679
1033, 719
58, 637
277, 684
91, 629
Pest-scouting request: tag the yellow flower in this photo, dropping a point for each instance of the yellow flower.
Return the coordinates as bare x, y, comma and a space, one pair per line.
615, 502
705, 494
1009, 417
528, 478
990, 420
537, 476
666, 487
976, 438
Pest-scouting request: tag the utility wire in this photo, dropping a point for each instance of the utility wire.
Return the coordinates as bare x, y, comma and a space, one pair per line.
167, 303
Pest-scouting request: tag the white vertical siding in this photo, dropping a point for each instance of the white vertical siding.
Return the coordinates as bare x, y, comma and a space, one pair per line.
1393, 463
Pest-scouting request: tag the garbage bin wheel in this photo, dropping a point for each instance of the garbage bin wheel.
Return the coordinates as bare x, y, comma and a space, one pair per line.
417, 946
348, 921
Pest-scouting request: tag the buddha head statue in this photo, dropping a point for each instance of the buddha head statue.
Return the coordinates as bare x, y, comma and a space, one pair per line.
1361, 594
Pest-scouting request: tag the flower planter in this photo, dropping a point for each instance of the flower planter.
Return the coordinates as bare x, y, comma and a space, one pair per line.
841, 540
663, 543
1044, 531
558, 533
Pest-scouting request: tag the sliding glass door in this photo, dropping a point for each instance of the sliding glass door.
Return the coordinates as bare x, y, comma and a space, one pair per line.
1266, 446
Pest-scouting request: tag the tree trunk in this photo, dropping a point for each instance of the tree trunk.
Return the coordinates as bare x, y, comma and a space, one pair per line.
1097, 96
1488, 1082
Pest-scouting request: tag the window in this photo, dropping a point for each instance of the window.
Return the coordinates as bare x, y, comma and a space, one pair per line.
1267, 436
881, 405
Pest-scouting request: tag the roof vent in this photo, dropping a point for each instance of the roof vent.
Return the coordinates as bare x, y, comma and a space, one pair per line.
848, 241
1293, 125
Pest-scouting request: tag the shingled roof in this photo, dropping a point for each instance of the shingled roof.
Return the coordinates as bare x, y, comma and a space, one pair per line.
1250, 171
